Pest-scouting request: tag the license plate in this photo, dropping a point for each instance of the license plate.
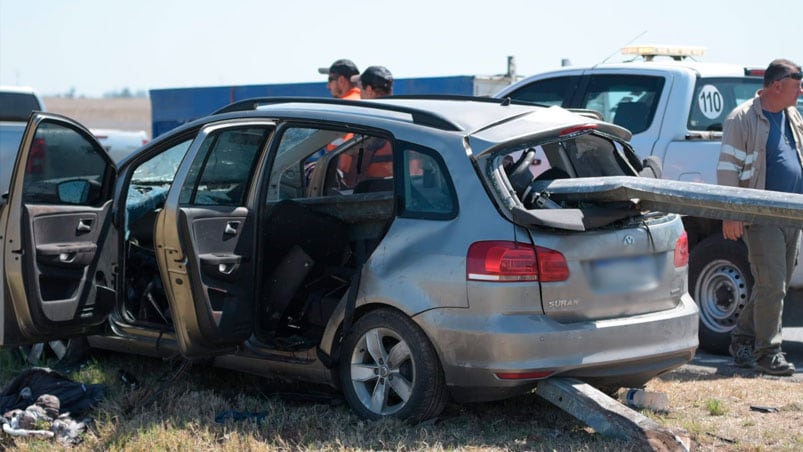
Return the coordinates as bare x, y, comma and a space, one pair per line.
624, 273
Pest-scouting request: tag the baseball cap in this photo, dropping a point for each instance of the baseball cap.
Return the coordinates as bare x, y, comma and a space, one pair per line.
343, 67
377, 76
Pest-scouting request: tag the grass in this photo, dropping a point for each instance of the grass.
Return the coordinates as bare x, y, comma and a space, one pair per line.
716, 410
715, 407
307, 417
296, 417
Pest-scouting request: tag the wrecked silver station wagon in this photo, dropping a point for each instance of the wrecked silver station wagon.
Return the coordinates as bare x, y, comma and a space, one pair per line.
395, 249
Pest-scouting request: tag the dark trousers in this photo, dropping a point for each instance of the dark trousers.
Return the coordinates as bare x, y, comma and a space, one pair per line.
772, 251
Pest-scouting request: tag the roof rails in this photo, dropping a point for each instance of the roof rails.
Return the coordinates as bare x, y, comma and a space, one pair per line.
419, 116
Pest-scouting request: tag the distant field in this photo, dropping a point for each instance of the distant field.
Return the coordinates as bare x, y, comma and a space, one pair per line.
112, 113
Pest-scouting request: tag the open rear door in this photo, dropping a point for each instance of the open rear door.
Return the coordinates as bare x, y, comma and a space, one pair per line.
206, 238
58, 243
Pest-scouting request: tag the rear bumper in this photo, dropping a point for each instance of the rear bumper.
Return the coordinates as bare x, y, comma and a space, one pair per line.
622, 352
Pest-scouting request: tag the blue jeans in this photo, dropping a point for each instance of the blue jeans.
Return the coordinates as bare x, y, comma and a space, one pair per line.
772, 251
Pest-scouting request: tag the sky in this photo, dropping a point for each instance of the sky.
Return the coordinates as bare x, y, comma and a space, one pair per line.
94, 47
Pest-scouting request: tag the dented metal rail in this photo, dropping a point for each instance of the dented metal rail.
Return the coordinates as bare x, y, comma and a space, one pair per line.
688, 198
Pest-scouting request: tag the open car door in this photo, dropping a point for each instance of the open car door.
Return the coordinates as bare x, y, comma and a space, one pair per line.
206, 238
58, 242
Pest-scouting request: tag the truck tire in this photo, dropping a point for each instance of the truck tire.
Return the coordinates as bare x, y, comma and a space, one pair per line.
720, 282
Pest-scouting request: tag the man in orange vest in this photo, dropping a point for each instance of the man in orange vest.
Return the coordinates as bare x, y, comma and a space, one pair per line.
339, 82
377, 162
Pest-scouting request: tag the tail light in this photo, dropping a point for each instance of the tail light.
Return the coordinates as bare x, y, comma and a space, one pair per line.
505, 261
36, 158
682, 250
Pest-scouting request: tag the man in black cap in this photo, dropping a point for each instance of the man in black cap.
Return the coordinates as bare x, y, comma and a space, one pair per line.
340, 84
375, 81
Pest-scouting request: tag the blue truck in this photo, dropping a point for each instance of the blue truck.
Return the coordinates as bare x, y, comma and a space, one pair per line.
171, 107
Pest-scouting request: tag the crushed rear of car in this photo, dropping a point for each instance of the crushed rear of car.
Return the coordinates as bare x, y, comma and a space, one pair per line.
585, 289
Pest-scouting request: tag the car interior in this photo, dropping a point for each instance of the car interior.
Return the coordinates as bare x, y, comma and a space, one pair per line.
329, 208
531, 170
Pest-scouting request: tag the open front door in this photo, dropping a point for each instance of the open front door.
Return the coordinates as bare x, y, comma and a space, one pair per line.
58, 243
206, 238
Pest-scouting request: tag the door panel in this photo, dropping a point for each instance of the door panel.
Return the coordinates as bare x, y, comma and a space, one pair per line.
206, 239
58, 242
219, 265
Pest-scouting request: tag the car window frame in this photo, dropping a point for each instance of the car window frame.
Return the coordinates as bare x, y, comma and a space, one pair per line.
401, 183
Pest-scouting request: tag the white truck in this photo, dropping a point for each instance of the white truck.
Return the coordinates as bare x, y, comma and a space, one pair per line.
120, 143
16, 105
675, 109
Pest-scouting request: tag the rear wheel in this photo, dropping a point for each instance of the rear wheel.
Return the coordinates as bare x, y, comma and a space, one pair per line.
720, 282
388, 368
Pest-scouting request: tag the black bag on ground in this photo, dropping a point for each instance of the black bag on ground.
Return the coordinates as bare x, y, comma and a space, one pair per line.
74, 397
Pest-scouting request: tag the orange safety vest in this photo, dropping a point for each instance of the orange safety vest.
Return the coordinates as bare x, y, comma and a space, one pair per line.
352, 94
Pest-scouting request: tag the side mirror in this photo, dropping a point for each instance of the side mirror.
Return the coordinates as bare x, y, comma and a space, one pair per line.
74, 191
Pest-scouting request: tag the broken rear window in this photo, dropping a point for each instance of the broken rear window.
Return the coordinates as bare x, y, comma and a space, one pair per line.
585, 155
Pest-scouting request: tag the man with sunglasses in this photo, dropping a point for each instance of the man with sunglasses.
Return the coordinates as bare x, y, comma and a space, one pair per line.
761, 149
339, 82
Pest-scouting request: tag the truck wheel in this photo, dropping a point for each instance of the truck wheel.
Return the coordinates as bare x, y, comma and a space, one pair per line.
63, 352
720, 282
388, 368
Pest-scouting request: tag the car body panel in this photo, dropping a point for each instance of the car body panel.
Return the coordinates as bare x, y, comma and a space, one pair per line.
522, 342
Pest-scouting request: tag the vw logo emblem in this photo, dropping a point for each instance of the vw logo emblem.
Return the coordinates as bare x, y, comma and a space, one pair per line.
629, 240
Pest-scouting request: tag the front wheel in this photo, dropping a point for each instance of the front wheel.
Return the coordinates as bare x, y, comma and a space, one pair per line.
388, 368
720, 282
58, 353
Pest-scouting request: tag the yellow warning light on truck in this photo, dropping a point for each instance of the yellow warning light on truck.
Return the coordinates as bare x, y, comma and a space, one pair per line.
648, 52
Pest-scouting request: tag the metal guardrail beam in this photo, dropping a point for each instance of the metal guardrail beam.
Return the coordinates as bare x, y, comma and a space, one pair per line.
687, 198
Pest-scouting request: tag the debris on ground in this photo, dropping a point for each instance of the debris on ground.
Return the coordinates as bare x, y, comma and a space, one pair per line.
43, 403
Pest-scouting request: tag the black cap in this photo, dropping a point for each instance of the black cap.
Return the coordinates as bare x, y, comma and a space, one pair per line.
376, 76
343, 67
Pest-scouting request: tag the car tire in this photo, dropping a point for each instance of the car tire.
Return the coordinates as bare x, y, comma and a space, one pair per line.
58, 353
720, 281
388, 368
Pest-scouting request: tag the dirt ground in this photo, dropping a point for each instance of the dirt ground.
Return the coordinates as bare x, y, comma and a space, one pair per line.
113, 113
726, 408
